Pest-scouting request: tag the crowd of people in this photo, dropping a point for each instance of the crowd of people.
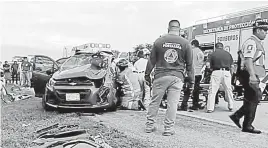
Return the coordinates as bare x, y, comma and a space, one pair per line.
178, 65
17, 73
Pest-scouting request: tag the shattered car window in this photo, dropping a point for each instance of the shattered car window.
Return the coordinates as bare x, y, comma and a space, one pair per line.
42, 64
76, 61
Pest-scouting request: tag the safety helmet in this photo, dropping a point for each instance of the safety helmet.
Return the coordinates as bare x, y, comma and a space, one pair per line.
146, 51
122, 63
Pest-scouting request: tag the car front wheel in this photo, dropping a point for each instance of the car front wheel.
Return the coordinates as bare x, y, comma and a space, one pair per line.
44, 104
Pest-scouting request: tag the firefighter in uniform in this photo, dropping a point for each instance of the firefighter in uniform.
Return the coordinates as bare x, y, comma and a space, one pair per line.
129, 85
251, 70
169, 56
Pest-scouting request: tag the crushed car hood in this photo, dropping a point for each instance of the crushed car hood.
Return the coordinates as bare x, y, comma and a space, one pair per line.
82, 71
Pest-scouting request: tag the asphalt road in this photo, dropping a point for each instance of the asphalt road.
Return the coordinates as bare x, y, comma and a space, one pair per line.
190, 132
221, 114
122, 129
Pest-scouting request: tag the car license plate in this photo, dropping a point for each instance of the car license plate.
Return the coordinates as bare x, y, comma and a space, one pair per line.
73, 97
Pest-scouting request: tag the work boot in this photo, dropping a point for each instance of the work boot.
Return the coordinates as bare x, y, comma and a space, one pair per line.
182, 108
235, 120
249, 118
251, 129
237, 116
194, 107
168, 133
209, 111
150, 129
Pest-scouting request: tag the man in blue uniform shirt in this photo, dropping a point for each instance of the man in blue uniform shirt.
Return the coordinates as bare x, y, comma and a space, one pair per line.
251, 71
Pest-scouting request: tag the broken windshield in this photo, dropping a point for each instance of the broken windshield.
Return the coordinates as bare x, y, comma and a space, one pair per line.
76, 61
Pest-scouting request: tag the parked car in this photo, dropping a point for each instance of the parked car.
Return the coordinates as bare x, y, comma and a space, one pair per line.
61, 61
83, 81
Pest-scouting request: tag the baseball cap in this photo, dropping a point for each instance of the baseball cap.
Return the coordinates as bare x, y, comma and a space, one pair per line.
259, 23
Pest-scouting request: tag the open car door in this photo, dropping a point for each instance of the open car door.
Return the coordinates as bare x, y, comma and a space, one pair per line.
43, 69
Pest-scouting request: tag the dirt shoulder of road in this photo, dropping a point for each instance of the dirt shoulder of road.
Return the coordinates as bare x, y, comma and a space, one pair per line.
21, 119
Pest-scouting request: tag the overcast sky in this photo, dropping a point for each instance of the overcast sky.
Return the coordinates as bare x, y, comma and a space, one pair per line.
46, 27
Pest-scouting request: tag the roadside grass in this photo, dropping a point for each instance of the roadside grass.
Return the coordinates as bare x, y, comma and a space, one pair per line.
21, 119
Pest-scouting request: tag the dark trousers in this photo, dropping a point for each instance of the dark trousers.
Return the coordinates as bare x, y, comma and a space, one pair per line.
252, 96
217, 98
15, 77
196, 92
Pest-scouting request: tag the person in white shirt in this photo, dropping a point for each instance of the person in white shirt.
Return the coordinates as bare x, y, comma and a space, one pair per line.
198, 62
140, 66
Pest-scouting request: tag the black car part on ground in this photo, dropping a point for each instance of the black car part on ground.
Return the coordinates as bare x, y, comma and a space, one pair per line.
47, 128
64, 134
71, 138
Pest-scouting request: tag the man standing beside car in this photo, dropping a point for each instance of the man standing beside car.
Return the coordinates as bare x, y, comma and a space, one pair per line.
169, 56
140, 66
26, 68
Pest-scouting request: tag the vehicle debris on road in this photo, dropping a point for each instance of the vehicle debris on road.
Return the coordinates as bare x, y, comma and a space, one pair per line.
75, 137
48, 128
15, 93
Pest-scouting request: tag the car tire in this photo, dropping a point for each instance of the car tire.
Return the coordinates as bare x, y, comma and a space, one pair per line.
45, 106
112, 109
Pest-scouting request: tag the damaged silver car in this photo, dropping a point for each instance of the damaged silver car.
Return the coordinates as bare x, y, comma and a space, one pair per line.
84, 81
